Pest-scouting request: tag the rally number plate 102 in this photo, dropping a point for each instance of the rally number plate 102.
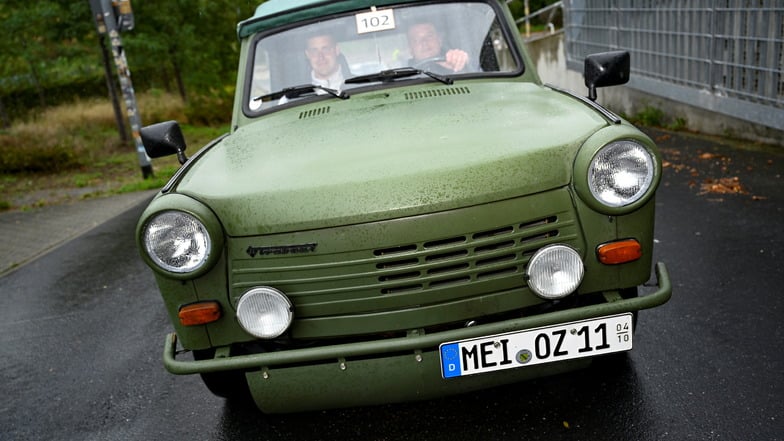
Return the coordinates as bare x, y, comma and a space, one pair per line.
586, 338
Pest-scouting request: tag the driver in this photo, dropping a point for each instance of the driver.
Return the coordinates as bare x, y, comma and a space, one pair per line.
425, 43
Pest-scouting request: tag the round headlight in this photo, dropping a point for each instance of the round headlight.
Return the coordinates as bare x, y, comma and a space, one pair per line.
621, 173
264, 312
555, 272
176, 241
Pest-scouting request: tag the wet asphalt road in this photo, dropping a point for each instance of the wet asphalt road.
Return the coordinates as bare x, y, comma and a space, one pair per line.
82, 329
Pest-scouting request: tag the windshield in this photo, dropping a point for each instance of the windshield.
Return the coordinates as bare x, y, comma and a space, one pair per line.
439, 41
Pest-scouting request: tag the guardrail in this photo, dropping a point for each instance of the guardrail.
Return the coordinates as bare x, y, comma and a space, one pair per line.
551, 9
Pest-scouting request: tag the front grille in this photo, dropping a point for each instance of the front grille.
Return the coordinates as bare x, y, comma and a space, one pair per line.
408, 273
461, 259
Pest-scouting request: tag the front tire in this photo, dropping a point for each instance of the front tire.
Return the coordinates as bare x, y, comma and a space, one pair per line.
631, 293
619, 359
231, 385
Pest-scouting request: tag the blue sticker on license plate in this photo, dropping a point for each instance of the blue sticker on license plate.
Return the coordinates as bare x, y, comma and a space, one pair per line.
566, 341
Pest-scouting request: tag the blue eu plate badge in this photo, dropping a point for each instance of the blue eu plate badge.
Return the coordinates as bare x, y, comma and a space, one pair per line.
450, 360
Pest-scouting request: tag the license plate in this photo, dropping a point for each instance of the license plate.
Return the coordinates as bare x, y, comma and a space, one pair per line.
585, 338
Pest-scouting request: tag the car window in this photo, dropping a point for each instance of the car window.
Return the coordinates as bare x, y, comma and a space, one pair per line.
328, 52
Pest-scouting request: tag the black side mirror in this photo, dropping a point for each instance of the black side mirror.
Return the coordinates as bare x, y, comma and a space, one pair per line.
605, 69
163, 139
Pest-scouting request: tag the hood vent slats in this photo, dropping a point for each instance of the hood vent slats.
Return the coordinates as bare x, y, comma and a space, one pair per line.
409, 96
433, 93
314, 112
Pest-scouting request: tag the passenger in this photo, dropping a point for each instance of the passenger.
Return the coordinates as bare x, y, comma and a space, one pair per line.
426, 45
324, 56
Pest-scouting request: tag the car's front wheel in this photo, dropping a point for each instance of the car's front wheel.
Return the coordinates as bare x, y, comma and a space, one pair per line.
226, 384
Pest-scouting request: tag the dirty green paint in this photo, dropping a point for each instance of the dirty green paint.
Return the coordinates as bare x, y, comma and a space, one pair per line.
371, 159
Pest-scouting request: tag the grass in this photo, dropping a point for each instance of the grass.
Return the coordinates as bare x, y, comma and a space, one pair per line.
74, 151
651, 116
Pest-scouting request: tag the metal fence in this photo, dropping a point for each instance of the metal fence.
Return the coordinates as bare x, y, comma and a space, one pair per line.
722, 55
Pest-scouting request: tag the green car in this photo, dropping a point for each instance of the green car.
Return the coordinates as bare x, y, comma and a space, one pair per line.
401, 211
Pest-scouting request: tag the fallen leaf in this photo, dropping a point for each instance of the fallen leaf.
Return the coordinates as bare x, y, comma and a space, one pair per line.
723, 186
708, 156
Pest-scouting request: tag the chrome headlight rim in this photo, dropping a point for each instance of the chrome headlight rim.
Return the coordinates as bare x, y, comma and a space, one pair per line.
191, 207
587, 161
548, 264
638, 179
262, 302
189, 227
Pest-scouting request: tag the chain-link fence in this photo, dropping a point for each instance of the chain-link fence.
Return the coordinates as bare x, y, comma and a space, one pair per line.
721, 55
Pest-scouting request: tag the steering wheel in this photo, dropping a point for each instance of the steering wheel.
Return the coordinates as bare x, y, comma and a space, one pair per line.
431, 63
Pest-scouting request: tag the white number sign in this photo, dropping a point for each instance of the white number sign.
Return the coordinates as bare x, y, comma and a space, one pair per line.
375, 21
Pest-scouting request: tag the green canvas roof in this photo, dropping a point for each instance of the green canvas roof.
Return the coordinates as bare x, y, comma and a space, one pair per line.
275, 13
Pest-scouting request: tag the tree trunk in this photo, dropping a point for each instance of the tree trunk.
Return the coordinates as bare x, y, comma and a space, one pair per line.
178, 75
5, 122
37, 84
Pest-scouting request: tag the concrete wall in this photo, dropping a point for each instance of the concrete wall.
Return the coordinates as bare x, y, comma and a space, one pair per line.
550, 57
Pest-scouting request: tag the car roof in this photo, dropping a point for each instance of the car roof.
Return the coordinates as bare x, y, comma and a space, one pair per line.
273, 13
272, 7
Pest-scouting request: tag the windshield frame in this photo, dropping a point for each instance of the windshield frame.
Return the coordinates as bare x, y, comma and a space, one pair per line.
252, 110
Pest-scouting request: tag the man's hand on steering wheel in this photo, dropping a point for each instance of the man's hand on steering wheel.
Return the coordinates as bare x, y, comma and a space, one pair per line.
455, 59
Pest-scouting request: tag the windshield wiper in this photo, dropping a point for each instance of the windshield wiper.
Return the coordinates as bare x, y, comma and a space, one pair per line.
389, 75
298, 91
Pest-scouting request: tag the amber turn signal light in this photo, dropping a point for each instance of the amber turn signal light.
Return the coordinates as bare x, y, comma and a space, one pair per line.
622, 251
199, 313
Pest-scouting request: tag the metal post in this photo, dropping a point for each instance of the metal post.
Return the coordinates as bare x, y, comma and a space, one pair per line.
130, 100
108, 23
113, 91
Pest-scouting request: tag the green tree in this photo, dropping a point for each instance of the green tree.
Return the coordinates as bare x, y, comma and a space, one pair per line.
25, 46
43, 47
51, 49
190, 43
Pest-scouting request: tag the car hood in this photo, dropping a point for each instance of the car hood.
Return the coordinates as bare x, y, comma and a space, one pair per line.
390, 154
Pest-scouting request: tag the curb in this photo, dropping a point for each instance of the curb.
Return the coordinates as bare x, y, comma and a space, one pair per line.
26, 235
